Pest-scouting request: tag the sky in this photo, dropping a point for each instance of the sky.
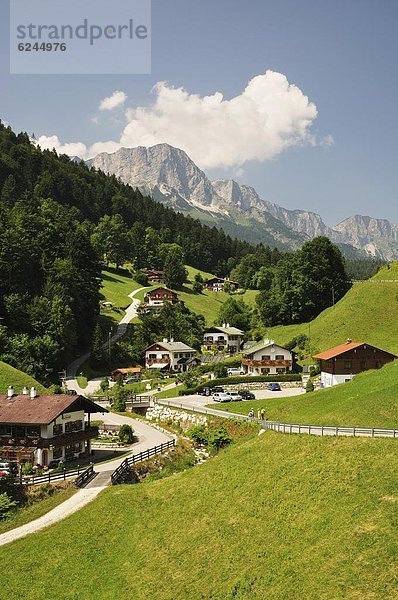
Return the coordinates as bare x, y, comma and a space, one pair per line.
297, 98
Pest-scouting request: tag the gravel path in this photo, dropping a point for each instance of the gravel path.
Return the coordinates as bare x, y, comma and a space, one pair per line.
94, 384
148, 437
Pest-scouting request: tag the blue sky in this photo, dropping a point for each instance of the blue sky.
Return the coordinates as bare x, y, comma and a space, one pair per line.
339, 53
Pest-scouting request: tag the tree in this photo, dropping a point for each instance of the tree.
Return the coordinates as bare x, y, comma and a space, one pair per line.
197, 287
97, 351
310, 386
126, 434
6, 504
175, 273
112, 240
235, 312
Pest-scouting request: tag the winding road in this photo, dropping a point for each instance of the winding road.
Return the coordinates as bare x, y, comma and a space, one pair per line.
94, 384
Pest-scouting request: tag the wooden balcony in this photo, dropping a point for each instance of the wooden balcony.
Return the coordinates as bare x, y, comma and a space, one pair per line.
248, 362
64, 439
157, 361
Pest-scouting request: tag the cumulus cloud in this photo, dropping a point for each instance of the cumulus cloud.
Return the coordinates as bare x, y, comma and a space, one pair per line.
116, 99
76, 148
269, 116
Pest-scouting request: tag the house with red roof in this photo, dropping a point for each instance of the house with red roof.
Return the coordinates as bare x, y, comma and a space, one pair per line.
342, 363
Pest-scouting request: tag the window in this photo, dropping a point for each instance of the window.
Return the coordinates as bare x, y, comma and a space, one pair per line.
280, 370
348, 364
33, 432
266, 357
5, 430
57, 430
265, 371
73, 426
378, 364
364, 365
152, 356
280, 357
57, 453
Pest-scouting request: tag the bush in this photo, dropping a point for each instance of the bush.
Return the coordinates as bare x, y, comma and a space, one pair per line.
141, 278
310, 386
218, 438
126, 434
198, 434
6, 504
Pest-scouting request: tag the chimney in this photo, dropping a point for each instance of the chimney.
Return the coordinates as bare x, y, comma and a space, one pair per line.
33, 392
10, 391
224, 324
25, 391
227, 324
171, 340
165, 340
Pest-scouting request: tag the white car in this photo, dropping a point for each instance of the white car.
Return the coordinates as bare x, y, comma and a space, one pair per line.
235, 372
235, 396
221, 397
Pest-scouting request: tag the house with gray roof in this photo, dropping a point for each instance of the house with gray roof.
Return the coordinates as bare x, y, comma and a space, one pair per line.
170, 356
266, 358
225, 337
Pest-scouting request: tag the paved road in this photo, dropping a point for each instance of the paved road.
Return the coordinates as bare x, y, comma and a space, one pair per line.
94, 384
148, 437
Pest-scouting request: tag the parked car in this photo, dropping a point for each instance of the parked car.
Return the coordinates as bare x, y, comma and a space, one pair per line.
274, 387
235, 396
5, 469
221, 397
71, 392
218, 390
206, 391
246, 395
235, 372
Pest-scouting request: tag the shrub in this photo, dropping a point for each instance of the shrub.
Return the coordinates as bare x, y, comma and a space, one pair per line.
141, 278
6, 504
197, 287
310, 386
126, 434
218, 438
198, 434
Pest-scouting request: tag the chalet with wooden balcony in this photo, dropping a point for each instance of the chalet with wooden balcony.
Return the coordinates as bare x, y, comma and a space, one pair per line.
341, 363
155, 276
170, 356
43, 428
225, 337
216, 284
267, 358
155, 299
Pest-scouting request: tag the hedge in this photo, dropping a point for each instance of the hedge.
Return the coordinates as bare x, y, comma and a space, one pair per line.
242, 380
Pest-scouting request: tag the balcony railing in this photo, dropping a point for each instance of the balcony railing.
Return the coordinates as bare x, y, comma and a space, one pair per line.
155, 361
248, 362
65, 439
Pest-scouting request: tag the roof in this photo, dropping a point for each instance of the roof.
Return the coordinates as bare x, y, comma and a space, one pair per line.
263, 344
128, 370
44, 408
161, 288
227, 330
343, 348
221, 280
172, 346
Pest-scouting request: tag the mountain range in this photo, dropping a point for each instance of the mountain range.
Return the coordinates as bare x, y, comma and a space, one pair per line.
171, 177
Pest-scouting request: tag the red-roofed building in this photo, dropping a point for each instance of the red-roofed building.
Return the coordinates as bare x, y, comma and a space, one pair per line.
341, 363
44, 428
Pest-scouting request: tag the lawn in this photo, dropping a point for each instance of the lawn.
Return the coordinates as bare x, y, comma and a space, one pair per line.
367, 313
370, 400
273, 517
116, 287
11, 376
36, 510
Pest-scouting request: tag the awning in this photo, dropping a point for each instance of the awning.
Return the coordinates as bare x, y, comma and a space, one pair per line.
158, 365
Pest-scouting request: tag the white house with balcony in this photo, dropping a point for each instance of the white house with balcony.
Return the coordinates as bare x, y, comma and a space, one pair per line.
169, 355
225, 337
267, 358
42, 428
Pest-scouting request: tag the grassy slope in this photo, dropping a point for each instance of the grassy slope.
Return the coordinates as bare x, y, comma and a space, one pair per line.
275, 517
370, 400
11, 376
116, 287
368, 312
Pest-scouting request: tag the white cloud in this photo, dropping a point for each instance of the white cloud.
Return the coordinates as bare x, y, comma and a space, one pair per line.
116, 99
269, 116
76, 148
266, 118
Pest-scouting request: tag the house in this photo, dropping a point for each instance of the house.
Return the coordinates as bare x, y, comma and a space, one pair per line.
42, 428
156, 299
341, 363
224, 337
216, 284
170, 356
127, 373
267, 358
155, 276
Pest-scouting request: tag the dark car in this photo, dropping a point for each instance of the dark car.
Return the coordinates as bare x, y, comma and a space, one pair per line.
206, 391
218, 390
274, 387
71, 392
246, 395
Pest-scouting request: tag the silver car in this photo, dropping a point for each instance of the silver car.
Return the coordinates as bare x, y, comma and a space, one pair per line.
221, 397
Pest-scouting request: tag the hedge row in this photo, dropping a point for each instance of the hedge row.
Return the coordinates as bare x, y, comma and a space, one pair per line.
242, 380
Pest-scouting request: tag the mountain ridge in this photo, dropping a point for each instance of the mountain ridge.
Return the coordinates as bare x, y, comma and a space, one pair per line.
171, 177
